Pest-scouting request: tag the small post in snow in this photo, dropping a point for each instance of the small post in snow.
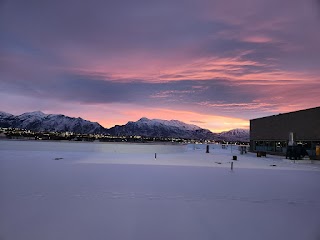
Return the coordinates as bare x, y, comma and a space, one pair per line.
231, 165
155, 156
207, 150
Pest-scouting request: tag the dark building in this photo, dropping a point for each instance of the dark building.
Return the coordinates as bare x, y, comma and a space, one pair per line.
271, 134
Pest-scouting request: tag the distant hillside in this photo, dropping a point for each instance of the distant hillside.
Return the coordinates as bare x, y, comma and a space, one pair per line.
39, 121
161, 128
235, 135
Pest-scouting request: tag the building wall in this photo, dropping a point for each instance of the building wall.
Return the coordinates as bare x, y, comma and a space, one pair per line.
305, 124
271, 133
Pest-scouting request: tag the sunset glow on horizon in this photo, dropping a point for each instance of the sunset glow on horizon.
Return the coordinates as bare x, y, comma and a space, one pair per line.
215, 64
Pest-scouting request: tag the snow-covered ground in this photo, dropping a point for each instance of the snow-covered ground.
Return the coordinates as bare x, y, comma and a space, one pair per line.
75, 191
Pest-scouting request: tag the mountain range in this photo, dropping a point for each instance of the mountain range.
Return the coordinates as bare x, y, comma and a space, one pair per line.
39, 121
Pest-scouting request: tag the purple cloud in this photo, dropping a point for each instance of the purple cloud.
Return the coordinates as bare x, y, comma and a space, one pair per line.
233, 58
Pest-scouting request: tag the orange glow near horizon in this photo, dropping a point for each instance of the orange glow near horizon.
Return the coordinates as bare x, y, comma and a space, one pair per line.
214, 123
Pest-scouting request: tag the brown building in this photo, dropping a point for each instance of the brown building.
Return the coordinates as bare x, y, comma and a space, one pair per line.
271, 134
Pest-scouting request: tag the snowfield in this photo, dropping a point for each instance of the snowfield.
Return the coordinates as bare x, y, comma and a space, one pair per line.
80, 191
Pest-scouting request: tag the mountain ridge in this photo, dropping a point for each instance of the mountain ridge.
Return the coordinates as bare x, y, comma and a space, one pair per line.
39, 121
161, 128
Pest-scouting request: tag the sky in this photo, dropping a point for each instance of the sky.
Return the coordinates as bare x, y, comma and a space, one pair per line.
213, 63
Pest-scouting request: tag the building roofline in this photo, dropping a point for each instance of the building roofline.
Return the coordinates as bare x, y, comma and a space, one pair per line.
308, 109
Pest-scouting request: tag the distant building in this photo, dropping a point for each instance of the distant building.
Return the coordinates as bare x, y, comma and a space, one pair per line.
271, 134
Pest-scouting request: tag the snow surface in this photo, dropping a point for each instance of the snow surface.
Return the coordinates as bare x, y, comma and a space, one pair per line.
67, 190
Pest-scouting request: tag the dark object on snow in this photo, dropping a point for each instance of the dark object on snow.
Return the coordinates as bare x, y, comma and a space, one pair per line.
243, 149
58, 158
261, 154
273, 165
234, 158
231, 165
296, 152
207, 149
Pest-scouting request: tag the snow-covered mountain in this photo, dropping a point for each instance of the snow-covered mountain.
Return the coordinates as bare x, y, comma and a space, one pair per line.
6, 119
161, 128
170, 123
4, 114
235, 135
39, 121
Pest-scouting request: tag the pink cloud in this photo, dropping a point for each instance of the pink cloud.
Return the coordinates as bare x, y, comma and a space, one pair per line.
257, 39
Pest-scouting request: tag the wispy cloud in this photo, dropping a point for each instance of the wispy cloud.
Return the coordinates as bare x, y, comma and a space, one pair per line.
233, 59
